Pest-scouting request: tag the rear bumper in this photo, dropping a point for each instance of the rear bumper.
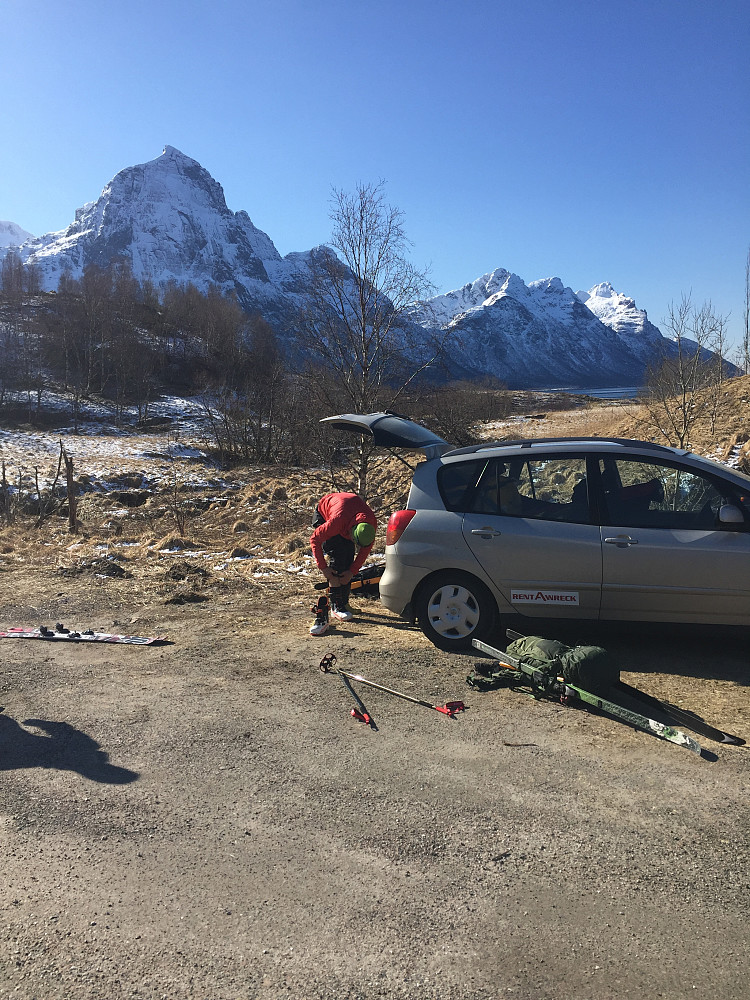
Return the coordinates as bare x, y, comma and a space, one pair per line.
397, 588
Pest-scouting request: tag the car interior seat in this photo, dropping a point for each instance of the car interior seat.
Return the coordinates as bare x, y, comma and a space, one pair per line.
640, 496
626, 503
508, 498
497, 493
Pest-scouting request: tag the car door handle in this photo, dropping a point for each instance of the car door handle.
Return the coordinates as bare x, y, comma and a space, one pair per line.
621, 541
486, 532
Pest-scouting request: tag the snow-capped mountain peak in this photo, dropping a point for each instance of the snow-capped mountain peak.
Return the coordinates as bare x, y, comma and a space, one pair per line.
168, 219
546, 297
543, 333
171, 153
11, 235
619, 312
445, 308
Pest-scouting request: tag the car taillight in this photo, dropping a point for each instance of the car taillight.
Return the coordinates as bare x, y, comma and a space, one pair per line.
397, 522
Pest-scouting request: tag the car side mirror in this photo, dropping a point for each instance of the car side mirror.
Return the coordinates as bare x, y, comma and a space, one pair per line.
729, 514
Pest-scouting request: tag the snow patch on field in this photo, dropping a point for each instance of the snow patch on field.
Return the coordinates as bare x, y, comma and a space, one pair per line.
104, 452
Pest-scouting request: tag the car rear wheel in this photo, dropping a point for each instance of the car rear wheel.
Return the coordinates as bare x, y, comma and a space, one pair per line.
454, 608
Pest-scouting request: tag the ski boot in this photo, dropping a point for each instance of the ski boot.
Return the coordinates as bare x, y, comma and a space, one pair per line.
320, 610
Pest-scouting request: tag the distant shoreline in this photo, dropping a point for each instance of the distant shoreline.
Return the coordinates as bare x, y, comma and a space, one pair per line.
617, 392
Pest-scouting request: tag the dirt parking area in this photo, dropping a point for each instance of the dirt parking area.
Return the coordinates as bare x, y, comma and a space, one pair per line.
204, 819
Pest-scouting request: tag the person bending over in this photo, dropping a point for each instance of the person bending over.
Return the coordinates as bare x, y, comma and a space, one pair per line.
343, 524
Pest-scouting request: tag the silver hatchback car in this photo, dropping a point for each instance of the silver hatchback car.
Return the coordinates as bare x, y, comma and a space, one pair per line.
566, 528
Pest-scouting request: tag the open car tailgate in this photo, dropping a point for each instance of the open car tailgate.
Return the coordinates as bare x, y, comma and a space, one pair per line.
389, 430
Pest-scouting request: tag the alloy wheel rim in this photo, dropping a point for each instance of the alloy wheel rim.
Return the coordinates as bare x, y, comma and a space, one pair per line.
453, 611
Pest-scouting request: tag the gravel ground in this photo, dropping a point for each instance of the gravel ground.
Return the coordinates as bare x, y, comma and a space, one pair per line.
204, 819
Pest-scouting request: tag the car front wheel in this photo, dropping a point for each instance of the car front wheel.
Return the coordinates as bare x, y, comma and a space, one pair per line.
454, 608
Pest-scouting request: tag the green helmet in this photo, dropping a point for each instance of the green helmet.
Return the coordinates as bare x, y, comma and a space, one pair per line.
363, 534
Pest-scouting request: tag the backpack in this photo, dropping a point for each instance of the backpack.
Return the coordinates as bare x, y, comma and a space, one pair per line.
588, 667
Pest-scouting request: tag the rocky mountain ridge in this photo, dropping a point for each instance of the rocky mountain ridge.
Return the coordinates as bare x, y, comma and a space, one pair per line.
543, 333
169, 218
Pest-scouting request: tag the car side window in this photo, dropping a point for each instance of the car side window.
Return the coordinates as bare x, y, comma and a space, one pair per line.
496, 491
456, 482
647, 494
546, 488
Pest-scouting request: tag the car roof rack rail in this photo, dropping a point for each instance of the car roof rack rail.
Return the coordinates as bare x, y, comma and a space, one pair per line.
533, 442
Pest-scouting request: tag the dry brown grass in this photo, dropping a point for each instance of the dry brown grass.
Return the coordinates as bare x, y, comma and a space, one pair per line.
593, 421
631, 420
250, 528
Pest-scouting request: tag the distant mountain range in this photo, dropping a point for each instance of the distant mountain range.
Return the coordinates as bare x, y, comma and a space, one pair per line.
169, 218
544, 334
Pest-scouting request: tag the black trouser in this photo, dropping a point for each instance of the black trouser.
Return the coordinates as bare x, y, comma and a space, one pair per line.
340, 552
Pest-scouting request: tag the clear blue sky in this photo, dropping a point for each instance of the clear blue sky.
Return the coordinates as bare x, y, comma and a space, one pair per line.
593, 140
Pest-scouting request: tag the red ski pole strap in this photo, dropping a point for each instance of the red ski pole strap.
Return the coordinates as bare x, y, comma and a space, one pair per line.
450, 708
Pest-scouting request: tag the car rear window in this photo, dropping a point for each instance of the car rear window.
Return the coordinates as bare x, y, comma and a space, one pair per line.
546, 487
456, 483
397, 432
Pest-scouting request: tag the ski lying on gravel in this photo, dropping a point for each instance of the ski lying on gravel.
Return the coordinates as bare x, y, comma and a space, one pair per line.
70, 635
680, 717
672, 712
634, 718
547, 683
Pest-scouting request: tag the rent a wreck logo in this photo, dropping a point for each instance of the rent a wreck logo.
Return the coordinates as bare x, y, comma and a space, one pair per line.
544, 597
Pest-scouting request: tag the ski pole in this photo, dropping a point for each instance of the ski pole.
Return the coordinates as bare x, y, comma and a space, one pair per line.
362, 715
450, 708
328, 665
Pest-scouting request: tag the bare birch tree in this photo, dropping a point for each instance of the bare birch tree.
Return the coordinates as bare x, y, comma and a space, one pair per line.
683, 386
357, 329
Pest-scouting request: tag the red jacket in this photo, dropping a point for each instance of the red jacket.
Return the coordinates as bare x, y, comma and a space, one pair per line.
341, 512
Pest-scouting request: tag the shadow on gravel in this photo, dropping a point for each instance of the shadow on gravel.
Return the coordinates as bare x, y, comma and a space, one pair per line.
372, 617
701, 651
63, 748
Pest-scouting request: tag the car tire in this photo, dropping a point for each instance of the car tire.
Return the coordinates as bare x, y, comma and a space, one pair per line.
453, 608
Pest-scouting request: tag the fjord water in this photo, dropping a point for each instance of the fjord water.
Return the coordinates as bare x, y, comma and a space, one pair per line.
616, 392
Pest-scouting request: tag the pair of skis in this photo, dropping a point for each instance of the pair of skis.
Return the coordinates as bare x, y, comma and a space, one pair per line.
360, 713
681, 717
550, 684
